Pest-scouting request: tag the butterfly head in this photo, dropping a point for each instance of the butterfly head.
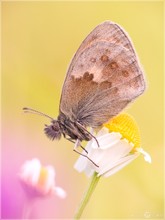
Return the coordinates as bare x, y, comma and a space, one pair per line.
53, 131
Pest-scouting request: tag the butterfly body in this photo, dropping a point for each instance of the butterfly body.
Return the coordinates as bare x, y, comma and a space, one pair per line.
72, 129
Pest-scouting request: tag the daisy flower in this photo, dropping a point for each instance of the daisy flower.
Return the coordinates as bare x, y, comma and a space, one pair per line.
38, 180
119, 144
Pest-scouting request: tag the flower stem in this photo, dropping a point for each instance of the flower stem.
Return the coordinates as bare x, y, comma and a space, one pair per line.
27, 209
87, 195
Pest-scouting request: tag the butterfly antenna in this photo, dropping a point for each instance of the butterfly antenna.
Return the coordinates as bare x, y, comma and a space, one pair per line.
33, 111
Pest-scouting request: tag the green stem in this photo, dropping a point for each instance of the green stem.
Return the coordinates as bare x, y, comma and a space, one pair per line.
87, 196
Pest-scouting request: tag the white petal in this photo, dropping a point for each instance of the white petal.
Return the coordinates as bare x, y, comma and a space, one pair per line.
80, 164
89, 171
60, 192
30, 171
111, 150
107, 140
103, 131
146, 155
96, 155
83, 164
114, 154
119, 165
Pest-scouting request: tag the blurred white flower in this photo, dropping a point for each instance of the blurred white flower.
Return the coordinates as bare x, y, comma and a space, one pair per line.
38, 180
119, 144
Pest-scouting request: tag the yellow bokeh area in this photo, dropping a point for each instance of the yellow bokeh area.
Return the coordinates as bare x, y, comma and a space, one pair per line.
39, 38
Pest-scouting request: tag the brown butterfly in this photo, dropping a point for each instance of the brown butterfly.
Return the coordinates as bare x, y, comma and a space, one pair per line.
103, 78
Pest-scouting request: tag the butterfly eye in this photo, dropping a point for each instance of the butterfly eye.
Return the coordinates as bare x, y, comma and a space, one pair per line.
53, 131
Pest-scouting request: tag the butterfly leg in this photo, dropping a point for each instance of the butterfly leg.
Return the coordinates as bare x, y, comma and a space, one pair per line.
90, 133
69, 139
77, 144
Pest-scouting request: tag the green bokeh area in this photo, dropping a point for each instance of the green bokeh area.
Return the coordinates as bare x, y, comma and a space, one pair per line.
38, 42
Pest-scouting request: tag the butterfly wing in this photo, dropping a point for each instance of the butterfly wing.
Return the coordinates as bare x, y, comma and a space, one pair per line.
103, 77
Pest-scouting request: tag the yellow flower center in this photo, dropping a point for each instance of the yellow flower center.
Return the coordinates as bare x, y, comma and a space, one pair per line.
127, 127
43, 176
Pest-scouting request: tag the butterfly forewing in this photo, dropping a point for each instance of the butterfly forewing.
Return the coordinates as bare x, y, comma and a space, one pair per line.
103, 77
